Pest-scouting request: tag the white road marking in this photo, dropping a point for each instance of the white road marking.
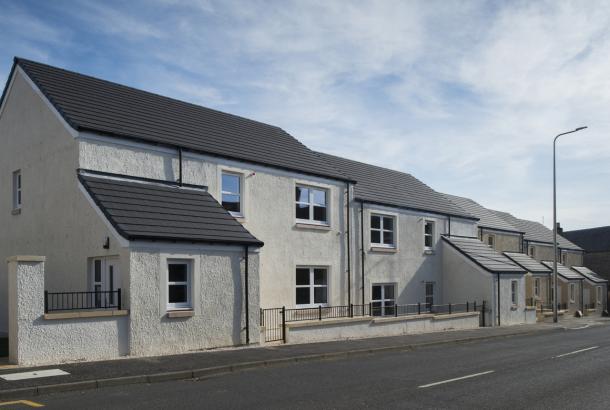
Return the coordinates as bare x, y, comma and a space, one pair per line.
33, 375
576, 351
455, 380
577, 328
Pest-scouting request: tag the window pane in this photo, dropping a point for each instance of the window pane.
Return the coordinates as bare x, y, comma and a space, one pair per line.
177, 272
302, 194
230, 183
376, 292
319, 197
388, 238
389, 292
302, 211
303, 296
428, 228
428, 242
302, 276
230, 202
319, 295
388, 223
319, 276
375, 221
319, 213
375, 237
376, 307
177, 294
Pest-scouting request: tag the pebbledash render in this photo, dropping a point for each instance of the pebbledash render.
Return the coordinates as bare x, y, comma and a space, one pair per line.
186, 221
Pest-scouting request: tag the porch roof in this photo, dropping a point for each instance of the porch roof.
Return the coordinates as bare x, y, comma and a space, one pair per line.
564, 271
483, 255
589, 274
528, 263
145, 210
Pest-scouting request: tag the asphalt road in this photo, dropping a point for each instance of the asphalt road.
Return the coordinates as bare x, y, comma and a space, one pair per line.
564, 369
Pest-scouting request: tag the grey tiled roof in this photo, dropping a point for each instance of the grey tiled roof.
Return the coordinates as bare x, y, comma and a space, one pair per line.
394, 188
591, 240
589, 274
487, 219
536, 232
483, 255
564, 271
91, 104
153, 211
527, 262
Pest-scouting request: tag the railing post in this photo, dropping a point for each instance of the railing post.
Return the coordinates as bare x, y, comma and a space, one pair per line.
46, 301
118, 295
467, 307
395, 310
450, 308
370, 309
483, 313
419, 308
284, 324
475, 305
351, 310
319, 312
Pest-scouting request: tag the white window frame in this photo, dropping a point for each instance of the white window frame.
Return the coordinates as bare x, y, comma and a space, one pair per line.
383, 298
312, 286
536, 286
514, 292
572, 292
381, 230
17, 190
310, 203
598, 295
241, 178
431, 235
188, 305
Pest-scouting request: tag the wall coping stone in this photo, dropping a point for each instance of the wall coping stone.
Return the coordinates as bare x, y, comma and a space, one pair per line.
25, 258
85, 314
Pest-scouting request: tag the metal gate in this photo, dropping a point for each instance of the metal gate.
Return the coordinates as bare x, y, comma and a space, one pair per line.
274, 322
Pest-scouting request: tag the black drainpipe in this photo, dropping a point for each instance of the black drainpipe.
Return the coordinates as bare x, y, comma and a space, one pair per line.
582, 296
180, 166
449, 216
247, 296
498, 275
362, 246
349, 251
521, 244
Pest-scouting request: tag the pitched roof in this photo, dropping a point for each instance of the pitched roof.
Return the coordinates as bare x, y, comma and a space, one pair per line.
91, 104
393, 188
589, 274
536, 232
564, 271
142, 210
527, 262
487, 219
591, 240
483, 255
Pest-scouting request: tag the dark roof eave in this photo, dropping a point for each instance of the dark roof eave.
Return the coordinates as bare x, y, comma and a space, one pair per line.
213, 154
258, 244
410, 208
501, 230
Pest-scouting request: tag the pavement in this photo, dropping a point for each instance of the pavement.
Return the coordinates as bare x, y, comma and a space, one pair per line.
201, 365
553, 367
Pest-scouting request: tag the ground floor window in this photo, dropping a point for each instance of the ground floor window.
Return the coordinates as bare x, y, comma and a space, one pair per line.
311, 286
429, 294
572, 292
179, 283
537, 287
599, 295
383, 299
514, 295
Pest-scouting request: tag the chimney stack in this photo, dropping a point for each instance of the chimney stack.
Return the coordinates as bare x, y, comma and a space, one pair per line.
559, 228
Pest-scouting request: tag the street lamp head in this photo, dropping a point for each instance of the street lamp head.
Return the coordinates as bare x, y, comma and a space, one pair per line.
581, 128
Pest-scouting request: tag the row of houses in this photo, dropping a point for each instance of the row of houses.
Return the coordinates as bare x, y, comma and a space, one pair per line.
187, 221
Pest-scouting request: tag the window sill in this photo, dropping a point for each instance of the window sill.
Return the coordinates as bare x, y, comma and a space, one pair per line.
318, 227
16, 211
429, 252
85, 314
382, 249
180, 313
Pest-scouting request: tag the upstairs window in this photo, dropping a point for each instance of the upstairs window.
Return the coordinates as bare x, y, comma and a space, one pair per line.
563, 258
428, 235
231, 193
382, 231
311, 205
491, 240
532, 252
17, 189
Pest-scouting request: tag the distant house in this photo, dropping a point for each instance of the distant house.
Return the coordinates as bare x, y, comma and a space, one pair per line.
596, 245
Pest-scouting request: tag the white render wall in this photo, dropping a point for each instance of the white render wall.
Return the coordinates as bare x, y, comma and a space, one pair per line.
269, 214
218, 302
409, 265
37, 341
55, 220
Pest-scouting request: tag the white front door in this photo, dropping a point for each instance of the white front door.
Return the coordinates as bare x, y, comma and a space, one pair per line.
105, 281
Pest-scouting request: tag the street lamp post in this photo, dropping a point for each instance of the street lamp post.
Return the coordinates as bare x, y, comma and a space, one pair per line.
555, 307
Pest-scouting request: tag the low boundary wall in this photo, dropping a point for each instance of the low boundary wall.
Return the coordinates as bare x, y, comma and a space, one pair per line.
362, 327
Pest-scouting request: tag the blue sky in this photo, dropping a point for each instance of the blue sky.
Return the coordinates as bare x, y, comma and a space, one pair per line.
466, 96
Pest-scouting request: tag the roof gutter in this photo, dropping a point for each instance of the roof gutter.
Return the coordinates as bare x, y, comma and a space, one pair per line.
410, 208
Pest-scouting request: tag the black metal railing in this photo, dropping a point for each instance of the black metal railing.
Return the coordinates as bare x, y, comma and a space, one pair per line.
63, 301
590, 306
274, 319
